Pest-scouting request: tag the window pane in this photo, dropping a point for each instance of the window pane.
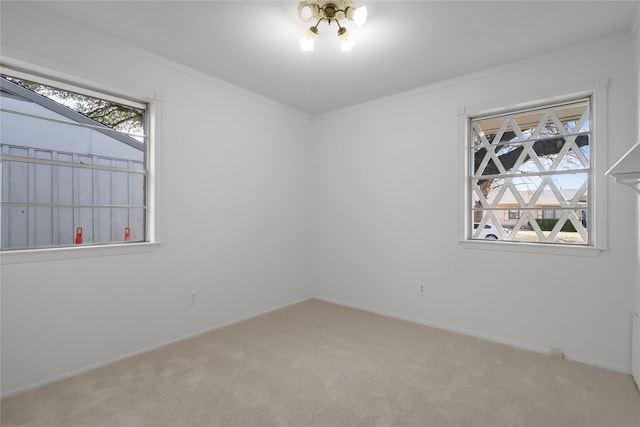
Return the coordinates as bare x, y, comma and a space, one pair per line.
529, 173
66, 174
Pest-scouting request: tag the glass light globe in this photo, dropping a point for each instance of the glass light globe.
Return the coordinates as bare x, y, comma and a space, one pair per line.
306, 43
346, 43
360, 15
305, 13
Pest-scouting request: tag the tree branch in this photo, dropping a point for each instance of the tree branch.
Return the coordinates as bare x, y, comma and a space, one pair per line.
544, 147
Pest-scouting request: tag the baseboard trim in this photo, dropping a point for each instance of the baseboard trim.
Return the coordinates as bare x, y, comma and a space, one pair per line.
476, 334
98, 365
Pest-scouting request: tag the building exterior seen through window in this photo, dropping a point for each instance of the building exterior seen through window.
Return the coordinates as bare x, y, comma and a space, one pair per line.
73, 167
529, 174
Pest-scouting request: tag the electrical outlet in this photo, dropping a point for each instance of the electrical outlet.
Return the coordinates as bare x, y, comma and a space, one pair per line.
557, 354
422, 289
192, 297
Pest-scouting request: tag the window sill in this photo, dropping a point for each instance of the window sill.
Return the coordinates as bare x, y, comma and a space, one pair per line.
536, 248
53, 254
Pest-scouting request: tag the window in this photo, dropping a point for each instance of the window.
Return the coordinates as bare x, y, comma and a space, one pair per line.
74, 167
530, 172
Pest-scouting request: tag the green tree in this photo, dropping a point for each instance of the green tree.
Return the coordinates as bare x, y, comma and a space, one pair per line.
117, 116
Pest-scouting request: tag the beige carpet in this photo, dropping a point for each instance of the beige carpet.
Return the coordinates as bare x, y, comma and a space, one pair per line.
320, 364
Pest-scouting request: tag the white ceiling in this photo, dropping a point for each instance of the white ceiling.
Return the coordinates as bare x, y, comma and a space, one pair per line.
402, 46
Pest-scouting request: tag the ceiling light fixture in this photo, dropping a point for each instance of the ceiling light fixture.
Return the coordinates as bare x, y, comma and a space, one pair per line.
330, 11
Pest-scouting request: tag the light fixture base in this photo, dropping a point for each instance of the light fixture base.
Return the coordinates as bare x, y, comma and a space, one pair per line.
330, 11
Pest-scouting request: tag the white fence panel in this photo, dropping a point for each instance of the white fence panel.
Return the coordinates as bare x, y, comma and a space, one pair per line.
97, 198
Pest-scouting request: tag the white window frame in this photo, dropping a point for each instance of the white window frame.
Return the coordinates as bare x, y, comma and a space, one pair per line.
48, 75
598, 91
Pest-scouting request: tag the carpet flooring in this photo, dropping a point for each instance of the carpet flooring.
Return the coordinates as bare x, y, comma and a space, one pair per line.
321, 364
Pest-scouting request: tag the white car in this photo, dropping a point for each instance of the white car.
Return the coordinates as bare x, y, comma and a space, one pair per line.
489, 232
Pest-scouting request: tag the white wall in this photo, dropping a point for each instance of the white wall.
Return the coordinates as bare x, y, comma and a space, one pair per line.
636, 68
235, 185
386, 201
240, 224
